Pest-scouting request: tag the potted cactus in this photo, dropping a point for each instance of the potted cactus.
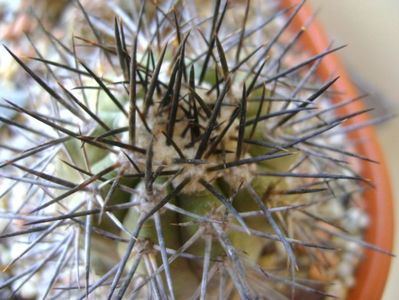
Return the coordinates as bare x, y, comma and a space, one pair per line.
183, 150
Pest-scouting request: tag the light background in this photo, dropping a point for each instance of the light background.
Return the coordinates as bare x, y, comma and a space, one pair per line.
371, 30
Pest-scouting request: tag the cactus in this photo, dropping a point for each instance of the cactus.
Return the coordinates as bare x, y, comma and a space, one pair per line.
187, 150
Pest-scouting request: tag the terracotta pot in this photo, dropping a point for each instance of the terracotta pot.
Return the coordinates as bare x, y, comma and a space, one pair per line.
372, 272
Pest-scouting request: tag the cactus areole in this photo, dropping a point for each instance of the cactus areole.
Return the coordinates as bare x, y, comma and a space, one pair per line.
183, 150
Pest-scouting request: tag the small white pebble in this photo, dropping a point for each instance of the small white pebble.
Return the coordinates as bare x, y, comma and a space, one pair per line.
344, 270
338, 289
364, 220
354, 213
350, 258
353, 247
334, 210
355, 219
349, 281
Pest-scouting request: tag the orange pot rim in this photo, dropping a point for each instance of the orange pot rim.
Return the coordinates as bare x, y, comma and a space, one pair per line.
372, 273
